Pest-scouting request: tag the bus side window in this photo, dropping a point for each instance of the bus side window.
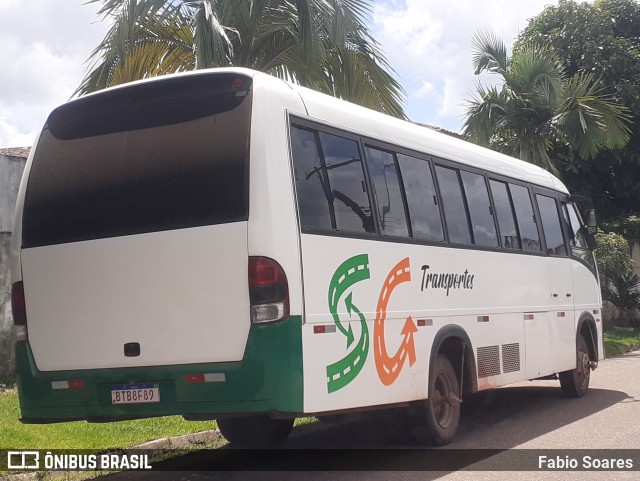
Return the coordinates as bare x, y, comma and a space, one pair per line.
349, 194
482, 222
455, 211
391, 209
312, 188
576, 233
551, 225
422, 200
505, 215
525, 217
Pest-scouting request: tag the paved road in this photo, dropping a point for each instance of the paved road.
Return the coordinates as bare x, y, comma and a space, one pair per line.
531, 415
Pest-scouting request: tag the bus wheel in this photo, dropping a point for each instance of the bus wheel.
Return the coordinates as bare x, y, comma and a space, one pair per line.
255, 431
575, 383
435, 420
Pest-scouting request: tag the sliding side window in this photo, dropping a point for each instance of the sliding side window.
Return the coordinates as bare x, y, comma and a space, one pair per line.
577, 239
576, 233
505, 215
348, 187
551, 225
330, 184
455, 211
422, 200
526, 218
312, 185
480, 211
385, 177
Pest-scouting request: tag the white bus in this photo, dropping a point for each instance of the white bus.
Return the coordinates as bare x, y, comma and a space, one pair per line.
225, 245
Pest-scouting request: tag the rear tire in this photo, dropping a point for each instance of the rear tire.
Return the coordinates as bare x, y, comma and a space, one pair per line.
435, 420
255, 431
575, 383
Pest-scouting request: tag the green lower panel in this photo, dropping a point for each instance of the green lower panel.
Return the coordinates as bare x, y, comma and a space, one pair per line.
268, 379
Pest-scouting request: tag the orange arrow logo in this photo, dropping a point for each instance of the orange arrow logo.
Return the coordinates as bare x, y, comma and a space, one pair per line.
389, 367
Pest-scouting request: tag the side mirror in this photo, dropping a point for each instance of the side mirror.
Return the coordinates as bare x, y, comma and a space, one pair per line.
592, 226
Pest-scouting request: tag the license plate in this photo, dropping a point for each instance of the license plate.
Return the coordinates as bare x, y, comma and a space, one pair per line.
135, 393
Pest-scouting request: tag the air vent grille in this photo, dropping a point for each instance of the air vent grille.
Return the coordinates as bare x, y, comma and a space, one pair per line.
488, 361
510, 357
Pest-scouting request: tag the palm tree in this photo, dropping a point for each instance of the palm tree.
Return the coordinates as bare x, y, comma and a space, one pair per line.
321, 44
538, 107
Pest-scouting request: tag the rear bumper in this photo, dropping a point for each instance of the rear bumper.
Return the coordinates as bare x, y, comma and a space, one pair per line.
268, 379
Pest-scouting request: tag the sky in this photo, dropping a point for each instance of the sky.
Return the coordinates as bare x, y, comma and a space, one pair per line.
45, 44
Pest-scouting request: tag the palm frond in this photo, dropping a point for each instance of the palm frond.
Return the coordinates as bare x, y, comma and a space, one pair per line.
535, 150
538, 107
590, 120
352, 74
536, 71
212, 44
322, 44
489, 53
487, 113
150, 60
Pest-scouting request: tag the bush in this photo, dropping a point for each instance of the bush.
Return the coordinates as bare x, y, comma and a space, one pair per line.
613, 256
628, 227
619, 284
622, 292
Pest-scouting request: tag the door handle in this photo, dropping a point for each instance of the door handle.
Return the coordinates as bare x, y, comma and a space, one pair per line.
569, 295
554, 295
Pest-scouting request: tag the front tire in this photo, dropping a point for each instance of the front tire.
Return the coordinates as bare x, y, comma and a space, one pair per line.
255, 431
575, 383
435, 420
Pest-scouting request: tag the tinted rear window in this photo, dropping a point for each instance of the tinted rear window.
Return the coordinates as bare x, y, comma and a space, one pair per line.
167, 155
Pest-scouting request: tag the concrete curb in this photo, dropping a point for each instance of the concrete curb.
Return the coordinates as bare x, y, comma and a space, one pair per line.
180, 441
20, 477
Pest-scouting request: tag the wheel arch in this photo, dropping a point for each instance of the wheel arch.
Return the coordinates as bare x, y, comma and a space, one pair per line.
453, 342
587, 328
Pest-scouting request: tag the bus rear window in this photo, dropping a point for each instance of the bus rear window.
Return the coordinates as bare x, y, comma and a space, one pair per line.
124, 163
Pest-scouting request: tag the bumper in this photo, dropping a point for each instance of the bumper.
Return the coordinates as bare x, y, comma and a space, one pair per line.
268, 379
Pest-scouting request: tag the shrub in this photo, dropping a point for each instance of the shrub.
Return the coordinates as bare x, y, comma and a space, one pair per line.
619, 284
622, 292
628, 227
613, 256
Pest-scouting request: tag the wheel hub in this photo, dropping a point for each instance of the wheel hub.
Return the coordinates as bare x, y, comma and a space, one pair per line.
442, 402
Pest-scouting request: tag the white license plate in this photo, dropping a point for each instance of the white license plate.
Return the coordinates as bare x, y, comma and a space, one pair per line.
143, 393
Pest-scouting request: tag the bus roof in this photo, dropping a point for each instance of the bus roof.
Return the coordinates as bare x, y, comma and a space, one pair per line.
369, 123
412, 136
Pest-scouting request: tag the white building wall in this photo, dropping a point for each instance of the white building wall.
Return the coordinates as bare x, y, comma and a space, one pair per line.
11, 167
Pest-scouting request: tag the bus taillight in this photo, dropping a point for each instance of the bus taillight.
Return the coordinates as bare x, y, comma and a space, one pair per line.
19, 309
268, 290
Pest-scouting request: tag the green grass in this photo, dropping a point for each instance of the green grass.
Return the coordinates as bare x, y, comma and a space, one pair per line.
618, 342
83, 435
106, 436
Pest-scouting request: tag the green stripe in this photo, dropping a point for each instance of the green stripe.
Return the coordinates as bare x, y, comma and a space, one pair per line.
269, 378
